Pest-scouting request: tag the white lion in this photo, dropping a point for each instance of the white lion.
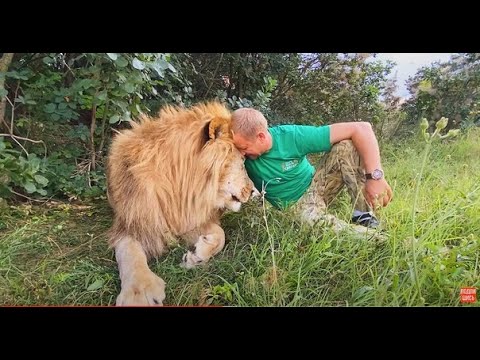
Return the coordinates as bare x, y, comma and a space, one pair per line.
168, 177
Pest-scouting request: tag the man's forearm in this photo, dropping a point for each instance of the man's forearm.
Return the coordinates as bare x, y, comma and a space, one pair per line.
363, 138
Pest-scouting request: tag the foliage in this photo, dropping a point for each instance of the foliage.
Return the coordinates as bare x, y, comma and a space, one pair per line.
330, 88
68, 105
88, 93
20, 173
450, 89
74, 100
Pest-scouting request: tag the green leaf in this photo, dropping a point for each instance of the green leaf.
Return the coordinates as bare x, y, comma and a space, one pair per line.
172, 69
121, 104
121, 62
114, 119
159, 71
87, 83
5, 191
55, 117
47, 60
102, 96
162, 64
3, 92
50, 108
129, 87
458, 271
42, 192
126, 116
34, 162
137, 64
15, 75
30, 187
41, 179
97, 284
112, 56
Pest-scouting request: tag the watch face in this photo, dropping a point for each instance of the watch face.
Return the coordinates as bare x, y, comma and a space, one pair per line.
377, 174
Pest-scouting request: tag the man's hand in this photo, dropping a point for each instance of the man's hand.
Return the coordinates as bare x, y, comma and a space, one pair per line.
377, 193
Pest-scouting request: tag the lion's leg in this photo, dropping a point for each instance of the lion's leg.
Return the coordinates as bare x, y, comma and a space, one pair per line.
210, 240
140, 286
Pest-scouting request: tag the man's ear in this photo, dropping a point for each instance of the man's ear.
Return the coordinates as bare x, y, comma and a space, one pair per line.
261, 136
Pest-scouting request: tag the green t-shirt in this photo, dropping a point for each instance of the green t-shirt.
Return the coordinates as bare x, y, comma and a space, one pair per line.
287, 161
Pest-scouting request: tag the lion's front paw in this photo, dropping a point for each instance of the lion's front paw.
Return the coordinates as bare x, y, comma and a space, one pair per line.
143, 289
190, 260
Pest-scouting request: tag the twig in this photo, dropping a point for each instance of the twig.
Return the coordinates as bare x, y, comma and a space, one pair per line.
104, 120
88, 175
68, 67
18, 142
13, 114
26, 139
5, 61
270, 238
93, 123
53, 241
15, 137
29, 198
13, 107
5, 123
214, 74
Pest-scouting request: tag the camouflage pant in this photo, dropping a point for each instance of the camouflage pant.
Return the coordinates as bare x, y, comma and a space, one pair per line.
341, 166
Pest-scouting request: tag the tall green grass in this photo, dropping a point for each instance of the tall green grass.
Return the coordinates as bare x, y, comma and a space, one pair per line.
57, 254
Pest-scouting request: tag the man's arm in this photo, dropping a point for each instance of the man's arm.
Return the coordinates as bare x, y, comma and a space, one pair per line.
364, 140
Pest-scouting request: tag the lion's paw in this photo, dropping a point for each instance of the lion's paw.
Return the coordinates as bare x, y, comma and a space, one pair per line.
190, 260
142, 290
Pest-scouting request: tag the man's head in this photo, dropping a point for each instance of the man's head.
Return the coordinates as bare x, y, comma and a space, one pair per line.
250, 132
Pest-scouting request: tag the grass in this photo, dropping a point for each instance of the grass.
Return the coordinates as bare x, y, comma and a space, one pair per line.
57, 254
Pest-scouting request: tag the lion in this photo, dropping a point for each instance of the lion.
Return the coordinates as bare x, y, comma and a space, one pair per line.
169, 179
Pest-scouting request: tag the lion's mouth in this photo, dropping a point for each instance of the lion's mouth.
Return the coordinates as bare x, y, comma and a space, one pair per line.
234, 198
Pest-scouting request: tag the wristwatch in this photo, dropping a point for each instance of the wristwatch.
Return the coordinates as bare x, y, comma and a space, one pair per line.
376, 174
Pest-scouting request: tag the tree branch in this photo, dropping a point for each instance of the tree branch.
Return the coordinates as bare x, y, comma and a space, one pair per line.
15, 137
104, 120
214, 75
5, 62
29, 198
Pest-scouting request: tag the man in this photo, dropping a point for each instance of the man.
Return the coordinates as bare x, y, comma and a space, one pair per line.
276, 162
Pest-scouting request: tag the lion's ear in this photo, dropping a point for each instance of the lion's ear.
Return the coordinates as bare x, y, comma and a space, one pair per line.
219, 128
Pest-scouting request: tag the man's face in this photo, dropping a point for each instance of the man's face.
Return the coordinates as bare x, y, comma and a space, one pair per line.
251, 148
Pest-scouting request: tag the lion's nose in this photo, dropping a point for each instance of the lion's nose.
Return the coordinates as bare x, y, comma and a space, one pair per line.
254, 193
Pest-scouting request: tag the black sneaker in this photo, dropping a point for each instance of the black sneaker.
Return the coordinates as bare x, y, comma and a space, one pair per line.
366, 219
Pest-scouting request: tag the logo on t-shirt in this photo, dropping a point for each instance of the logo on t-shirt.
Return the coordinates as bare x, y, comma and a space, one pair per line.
287, 165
